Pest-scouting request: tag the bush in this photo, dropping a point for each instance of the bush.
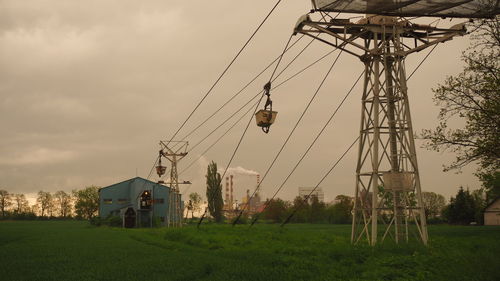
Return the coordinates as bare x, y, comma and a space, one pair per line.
243, 219
96, 221
114, 221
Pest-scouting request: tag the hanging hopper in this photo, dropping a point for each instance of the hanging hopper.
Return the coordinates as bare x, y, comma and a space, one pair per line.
265, 118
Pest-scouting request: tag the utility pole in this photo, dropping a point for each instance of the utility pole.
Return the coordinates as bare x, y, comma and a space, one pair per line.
388, 194
173, 151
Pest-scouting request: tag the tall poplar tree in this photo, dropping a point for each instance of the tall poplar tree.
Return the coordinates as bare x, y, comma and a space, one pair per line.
214, 192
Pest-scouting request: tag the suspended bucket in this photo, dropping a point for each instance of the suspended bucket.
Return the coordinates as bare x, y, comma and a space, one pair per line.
265, 118
160, 170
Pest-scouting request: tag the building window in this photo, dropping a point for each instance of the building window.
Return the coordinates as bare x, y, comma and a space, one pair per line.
122, 201
107, 201
145, 201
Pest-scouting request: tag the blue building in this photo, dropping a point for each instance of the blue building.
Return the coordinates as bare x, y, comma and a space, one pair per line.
139, 202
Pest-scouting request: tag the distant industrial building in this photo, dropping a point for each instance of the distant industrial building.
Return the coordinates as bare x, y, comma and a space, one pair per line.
318, 192
137, 202
492, 213
252, 204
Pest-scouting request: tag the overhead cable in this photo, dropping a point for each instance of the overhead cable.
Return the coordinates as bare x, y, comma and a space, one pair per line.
322, 179
251, 118
254, 97
206, 150
225, 70
274, 87
288, 138
241, 90
310, 146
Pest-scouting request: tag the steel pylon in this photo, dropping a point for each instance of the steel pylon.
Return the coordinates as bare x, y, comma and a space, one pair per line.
174, 151
388, 195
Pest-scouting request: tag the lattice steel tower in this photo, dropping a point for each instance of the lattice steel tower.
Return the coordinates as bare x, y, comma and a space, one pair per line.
387, 189
174, 151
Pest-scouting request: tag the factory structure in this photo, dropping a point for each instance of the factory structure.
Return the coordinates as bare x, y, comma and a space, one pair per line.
232, 206
138, 202
312, 191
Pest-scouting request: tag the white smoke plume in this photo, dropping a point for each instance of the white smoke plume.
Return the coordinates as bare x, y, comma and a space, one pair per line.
239, 171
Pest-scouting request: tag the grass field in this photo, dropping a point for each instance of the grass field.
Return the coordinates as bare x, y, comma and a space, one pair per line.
72, 250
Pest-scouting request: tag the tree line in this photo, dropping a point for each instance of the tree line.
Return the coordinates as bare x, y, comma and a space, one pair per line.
465, 207
78, 204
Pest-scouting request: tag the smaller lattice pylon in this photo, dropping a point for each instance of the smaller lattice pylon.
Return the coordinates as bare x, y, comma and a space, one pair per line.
174, 151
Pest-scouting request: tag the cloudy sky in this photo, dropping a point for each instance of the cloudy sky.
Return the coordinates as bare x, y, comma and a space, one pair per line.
88, 88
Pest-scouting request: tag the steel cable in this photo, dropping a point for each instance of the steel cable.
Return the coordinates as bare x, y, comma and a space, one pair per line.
310, 146
416, 68
322, 179
288, 138
225, 70
251, 117
275, 87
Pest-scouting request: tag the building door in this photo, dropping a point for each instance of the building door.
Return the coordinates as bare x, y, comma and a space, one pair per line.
130, 218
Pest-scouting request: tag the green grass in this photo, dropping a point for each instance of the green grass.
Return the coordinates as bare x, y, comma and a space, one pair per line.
68, 250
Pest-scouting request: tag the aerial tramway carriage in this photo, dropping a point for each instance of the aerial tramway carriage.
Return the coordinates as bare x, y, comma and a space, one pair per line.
160, 169
265, 117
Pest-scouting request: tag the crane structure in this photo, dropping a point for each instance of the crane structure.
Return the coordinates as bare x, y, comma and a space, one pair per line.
174, 151
388, 191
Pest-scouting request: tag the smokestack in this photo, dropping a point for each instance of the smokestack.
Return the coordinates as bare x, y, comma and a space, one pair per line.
227, 191
231, 200
258, 182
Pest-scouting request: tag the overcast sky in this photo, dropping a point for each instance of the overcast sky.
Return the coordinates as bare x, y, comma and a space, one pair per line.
88, 88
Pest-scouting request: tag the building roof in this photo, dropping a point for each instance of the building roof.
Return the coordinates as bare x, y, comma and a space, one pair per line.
133, 179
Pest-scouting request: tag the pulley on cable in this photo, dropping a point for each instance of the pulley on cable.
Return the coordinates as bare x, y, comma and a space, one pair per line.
265, 117
160, 170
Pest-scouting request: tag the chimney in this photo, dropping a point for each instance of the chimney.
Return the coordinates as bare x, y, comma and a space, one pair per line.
227, 191
258, 183
231, 200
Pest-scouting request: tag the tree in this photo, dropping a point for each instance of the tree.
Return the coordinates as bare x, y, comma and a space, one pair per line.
21, 204
214, 192
63, 203
491, 184
45, 202
433, 204
474, 96
35, 209
5, 201
302, 208
86, 202
317, 213
195, 200
340, 212
480, 203
276, 210
462, 209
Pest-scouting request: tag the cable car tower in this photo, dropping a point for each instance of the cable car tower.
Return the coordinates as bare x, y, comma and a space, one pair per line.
388, 191
173, 151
